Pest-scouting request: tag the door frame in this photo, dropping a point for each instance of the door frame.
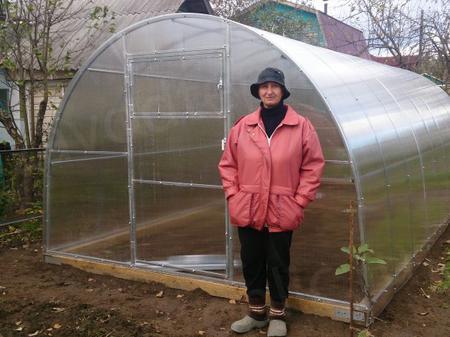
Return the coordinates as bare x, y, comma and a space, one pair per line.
224, 87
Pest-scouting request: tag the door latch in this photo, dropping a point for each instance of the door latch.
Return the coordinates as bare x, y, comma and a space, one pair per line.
224, 141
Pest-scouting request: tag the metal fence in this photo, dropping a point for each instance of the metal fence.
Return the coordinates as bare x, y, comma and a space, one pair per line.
21, 185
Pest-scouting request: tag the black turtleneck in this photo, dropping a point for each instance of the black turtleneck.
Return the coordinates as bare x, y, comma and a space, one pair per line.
272, 117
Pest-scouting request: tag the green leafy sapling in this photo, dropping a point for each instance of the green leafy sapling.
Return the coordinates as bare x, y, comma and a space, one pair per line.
361, 254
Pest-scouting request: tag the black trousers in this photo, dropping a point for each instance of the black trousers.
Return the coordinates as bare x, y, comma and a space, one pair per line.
265, 258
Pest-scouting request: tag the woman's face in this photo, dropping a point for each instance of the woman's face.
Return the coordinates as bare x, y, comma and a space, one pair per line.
270, 94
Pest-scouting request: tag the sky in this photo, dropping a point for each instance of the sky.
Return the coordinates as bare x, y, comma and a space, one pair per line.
340, 10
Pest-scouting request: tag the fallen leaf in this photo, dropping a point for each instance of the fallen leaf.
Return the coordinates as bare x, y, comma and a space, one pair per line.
201, 332
423, 313
180, 296
20, 328
425, 264
160, 294
232, 301
57, 326
56, 309
34, 333
447, 242
89, 290
2, 288
439, 269
90, 279
18, 322
424, 293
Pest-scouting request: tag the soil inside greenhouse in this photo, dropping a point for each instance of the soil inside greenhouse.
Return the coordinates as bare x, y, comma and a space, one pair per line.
39, 299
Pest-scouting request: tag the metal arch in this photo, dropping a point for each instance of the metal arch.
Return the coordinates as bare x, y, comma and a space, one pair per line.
267, 37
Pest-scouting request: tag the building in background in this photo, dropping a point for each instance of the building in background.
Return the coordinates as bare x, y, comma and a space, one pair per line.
76, 31
305, 24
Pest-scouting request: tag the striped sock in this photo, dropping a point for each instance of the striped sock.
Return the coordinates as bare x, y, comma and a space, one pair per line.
277, 313
257, 309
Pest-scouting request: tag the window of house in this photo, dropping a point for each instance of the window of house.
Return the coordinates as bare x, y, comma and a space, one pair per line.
3, 99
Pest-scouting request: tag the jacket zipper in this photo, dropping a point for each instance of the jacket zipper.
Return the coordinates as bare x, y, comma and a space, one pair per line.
269, 138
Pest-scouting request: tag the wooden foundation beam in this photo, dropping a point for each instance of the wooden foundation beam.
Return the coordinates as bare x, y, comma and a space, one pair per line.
190, 282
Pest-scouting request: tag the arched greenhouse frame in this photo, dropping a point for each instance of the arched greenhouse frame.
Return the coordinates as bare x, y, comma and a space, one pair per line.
132, 187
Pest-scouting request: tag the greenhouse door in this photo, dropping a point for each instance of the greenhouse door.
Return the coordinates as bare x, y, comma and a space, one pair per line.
176, 119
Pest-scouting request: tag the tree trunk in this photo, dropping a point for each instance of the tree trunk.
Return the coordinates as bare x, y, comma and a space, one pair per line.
40, 118
7, 119
23, 113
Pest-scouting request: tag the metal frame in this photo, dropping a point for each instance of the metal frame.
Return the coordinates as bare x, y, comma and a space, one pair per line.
271, 39
174, 55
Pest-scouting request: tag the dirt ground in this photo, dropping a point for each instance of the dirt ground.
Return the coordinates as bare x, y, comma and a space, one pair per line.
38, 299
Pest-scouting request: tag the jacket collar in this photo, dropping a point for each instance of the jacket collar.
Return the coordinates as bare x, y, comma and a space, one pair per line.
291, 117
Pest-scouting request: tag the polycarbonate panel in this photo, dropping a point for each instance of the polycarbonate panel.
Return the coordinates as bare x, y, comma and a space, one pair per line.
316, 245
439, 112
111, 59
178, 150
93, 118
386, 129
315, 250
171, 85
385, 138
176, 221
177, 34
88, 208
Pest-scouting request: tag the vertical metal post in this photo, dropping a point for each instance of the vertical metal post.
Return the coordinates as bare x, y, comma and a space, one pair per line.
128, 78
46, 199
229, 270
351, 230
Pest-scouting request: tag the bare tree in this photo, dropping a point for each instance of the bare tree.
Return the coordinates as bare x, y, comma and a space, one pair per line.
285, 23
436, 30
35, 45
229, 8
388, 25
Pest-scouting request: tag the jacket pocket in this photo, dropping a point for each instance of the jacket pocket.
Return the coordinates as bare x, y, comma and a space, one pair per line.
290, 213
273, 214
241, 207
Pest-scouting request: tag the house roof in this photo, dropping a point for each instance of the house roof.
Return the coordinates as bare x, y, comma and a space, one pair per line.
342, 37
408, 61
80, 35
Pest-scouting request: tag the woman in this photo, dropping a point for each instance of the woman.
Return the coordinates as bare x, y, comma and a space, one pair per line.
270, 171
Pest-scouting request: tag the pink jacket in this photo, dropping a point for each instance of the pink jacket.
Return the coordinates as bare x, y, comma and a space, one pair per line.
271, 180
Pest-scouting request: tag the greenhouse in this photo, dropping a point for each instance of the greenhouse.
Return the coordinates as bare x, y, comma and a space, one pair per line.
133, 190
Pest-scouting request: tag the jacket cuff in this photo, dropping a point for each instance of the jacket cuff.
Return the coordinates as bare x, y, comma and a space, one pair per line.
302, 201
231, 191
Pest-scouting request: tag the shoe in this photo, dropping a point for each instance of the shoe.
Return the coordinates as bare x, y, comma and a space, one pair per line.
277, 328
246, 324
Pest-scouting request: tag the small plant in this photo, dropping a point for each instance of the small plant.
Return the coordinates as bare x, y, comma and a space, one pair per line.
356, 257
444, 284
362, 254
365, 333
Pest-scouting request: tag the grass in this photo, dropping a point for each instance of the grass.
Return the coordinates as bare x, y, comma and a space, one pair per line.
444, 284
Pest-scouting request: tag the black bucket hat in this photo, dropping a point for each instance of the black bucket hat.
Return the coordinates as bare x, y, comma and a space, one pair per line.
269, 75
